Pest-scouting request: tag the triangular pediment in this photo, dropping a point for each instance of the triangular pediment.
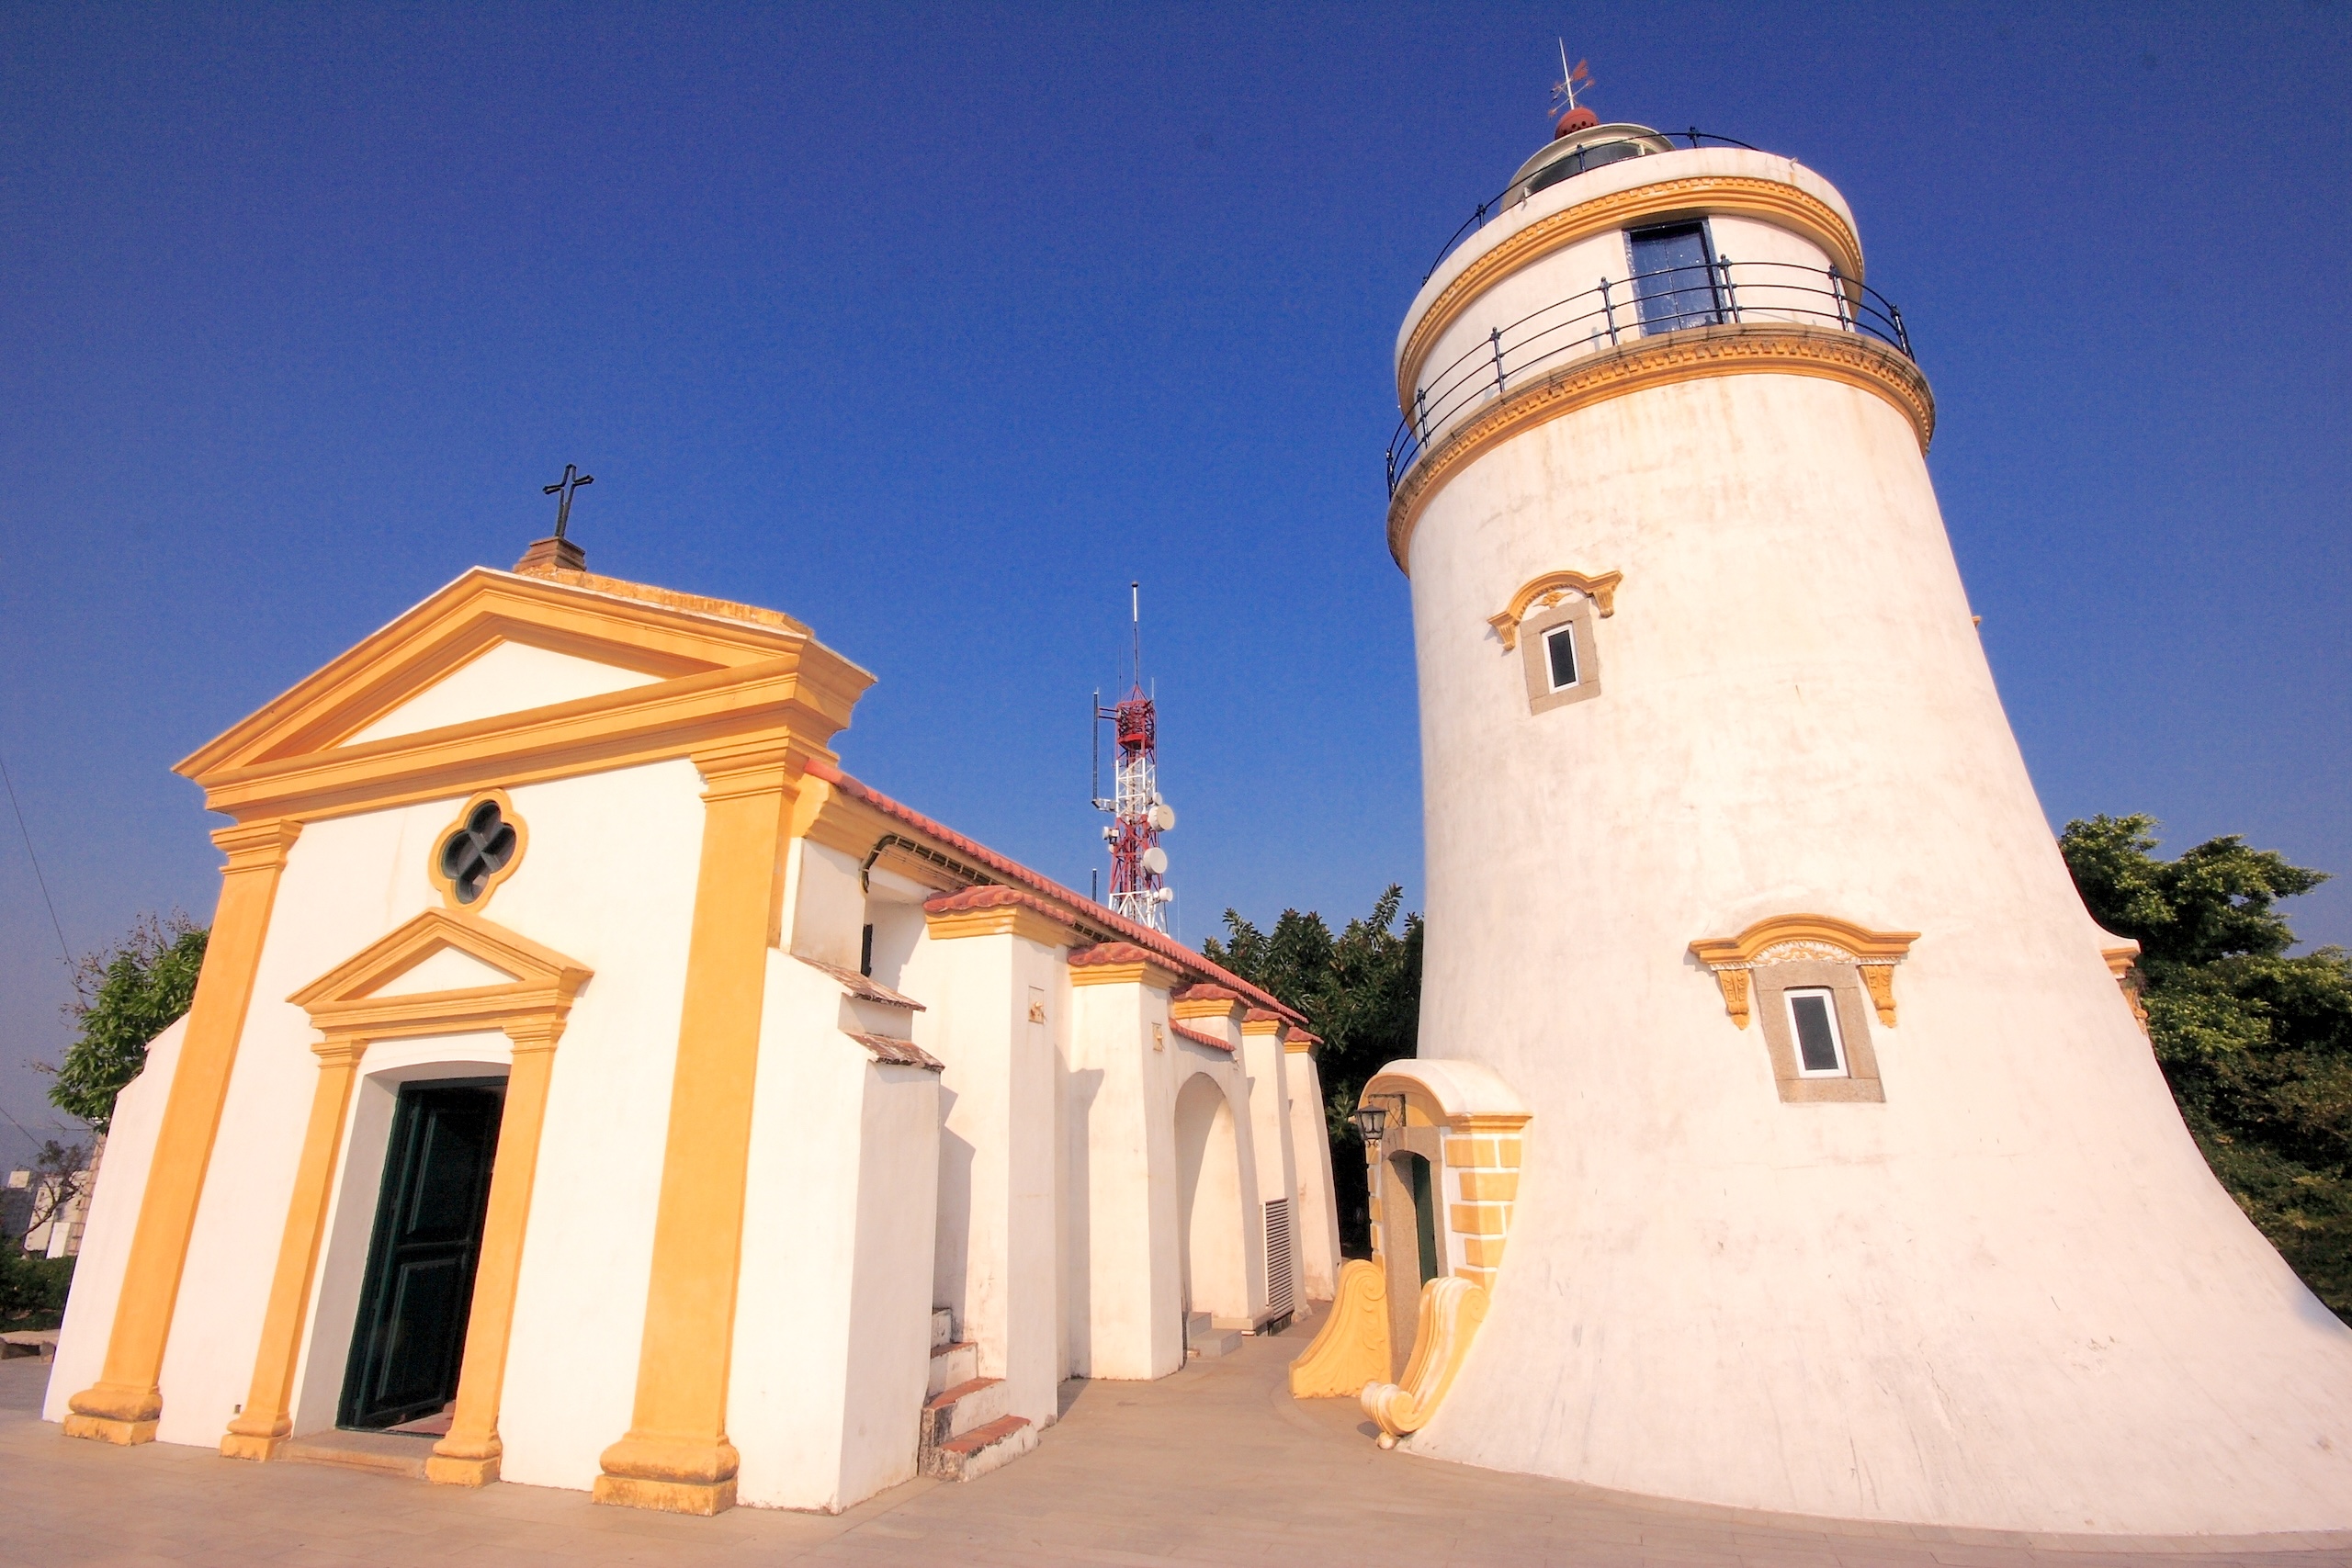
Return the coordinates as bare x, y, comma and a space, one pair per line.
495, 644
439, 957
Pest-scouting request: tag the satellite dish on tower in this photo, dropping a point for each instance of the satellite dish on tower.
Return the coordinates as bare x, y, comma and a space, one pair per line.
1155, 860
1164, 817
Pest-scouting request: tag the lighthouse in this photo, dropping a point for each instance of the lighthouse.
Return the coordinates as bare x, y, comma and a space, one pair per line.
1778, 1100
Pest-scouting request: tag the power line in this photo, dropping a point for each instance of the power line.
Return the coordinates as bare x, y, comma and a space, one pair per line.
54, 924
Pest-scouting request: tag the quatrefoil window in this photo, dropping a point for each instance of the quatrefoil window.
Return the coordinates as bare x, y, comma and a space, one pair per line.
475, 852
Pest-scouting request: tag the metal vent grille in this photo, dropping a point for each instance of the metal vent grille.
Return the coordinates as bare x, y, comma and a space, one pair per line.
1278, 1265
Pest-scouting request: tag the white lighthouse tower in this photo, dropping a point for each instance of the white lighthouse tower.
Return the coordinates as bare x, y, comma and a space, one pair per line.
1846, 1183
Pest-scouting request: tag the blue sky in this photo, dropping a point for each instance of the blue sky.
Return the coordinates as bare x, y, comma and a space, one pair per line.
936, 327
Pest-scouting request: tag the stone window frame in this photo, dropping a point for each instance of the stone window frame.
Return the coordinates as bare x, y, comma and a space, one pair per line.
1575, 613
1771, 983
1544, 604
1757, 968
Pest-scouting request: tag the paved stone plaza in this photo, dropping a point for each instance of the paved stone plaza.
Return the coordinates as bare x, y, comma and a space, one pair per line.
1217, 1465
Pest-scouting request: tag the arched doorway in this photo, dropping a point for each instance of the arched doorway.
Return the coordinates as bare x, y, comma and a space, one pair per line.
1208, 1156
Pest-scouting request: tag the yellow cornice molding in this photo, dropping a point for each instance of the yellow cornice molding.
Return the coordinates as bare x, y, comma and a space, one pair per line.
1745, 195
259, 845
1600, 590
461, 622
720, 682
1697, 354
777, 703
1136, 972
1011, 921
1782, 939
1225, 1008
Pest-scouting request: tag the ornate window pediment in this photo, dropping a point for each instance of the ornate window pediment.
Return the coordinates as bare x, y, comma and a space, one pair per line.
1804, 939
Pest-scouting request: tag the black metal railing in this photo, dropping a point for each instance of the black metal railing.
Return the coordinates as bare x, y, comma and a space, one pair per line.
1590, 156
1673, 298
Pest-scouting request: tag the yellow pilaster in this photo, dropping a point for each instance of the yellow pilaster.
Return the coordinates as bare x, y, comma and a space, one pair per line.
267, 1419
468, 1455
676, 1456
124, 1404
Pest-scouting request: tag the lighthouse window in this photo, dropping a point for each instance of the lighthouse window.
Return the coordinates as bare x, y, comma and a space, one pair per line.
1674, 278
1811, 1014
1560, 655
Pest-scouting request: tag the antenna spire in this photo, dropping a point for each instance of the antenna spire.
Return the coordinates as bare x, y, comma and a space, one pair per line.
1139, 815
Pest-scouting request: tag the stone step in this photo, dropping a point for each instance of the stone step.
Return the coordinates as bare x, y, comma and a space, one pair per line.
952, 1364
984, 1448
41, 1342
1204, 1338
942, 1329
385, 1453
967, 1404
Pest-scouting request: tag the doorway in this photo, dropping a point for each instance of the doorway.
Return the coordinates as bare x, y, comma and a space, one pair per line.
410, 1336
1410, 1240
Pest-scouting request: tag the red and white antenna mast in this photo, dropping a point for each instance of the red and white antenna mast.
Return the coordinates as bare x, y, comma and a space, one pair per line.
1137, 814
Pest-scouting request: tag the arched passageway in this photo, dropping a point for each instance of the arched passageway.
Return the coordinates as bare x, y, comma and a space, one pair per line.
1217, 1271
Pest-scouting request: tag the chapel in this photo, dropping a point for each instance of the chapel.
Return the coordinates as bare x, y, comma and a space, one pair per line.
591, 1084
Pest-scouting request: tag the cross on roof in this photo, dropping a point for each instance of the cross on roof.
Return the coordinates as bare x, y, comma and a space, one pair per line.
572, 480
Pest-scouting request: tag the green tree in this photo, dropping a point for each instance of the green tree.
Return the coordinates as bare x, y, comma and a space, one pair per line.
2255, 1043
1361, 991
122, 999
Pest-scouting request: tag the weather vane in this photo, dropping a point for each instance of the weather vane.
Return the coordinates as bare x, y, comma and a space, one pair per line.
1573, 80
572, 480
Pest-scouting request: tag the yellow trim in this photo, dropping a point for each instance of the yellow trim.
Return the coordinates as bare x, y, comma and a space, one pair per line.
265, 1421
724, 683
342, 1005
1702, 195
441, 882
123, 1405
1451, 1310
676, 1456
1003, 919
1697, 354
1138, 973
1601, 591
1268, 1026
468, 1455
1350, 1352
1224, 1008
1821, 936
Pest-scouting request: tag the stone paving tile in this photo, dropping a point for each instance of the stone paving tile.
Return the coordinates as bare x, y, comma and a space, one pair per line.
1215, 1465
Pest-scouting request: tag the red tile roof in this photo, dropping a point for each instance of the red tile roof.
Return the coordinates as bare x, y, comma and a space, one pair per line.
1208, 991
1090, 918
1200, 1038
1112, 953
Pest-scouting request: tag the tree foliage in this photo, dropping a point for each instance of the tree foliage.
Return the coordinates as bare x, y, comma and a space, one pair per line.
2255, 1043
1361, 991
122, 999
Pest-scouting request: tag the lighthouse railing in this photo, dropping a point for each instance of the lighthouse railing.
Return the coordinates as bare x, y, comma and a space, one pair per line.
1717, 292
1591, 155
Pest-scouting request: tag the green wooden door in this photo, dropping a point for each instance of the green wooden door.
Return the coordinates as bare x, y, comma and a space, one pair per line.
1425, 1218
410, 1332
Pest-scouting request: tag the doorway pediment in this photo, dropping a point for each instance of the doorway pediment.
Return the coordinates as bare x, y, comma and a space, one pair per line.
440, 974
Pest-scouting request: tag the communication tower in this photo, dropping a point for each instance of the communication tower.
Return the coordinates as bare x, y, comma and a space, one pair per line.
1139, 815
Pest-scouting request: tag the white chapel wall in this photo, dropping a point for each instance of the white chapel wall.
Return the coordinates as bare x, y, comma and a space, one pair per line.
113, 1215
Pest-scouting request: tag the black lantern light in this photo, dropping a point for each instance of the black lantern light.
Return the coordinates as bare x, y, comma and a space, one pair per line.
1370, 1121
